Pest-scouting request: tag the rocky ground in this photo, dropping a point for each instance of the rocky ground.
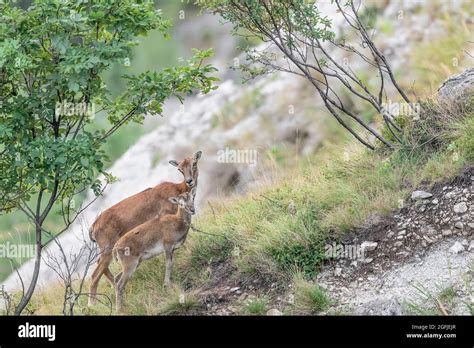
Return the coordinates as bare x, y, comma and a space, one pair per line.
405, 262
423, 249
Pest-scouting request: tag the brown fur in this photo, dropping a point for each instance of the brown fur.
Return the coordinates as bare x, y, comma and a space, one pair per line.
135, 210
162, 234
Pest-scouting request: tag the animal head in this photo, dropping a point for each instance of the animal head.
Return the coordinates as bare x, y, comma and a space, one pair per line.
189, 168
185, 201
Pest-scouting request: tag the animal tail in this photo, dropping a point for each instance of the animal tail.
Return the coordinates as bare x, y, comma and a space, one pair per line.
95, 226
91, 232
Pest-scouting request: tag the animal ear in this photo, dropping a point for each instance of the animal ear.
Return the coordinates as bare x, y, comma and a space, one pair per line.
174, 163
173, 200
197, 155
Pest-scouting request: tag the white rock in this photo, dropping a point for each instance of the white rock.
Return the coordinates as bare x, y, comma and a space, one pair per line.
369, 246
447, 232
459, 225
435, 201
274, 311
420, 195
338, 271
450, 195
460, 208
456, 248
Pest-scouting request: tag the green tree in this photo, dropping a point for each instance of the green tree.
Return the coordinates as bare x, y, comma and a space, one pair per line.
52, 56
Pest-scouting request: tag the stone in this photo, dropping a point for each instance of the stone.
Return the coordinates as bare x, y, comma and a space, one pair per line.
456, 248
459, 225
338, 271
274, 311
435, 201
450, 195
460, 208
416, 195
428, 239
447, 232
369, 246
457, 89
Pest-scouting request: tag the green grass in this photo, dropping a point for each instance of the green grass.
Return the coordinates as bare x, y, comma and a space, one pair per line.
309, 298
447, 49
331, 193
256, 306
432, 304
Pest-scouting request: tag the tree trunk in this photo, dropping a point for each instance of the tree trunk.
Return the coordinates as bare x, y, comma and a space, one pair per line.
34, 279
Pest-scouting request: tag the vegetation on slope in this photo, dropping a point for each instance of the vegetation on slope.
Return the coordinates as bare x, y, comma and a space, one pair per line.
277, 233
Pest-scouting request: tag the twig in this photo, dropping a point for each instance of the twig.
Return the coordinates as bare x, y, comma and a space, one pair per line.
210, 234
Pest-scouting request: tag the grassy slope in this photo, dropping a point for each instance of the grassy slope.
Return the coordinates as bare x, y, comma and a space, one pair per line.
332, 192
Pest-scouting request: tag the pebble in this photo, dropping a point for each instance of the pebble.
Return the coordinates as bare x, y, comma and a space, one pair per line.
456, 248
420, 195
274, 311
460, 208
369, 246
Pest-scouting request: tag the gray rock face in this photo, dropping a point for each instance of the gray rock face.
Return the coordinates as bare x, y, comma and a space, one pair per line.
458, 89
382, 306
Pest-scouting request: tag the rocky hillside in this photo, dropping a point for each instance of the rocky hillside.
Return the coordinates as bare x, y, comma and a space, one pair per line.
424, 248
280, 119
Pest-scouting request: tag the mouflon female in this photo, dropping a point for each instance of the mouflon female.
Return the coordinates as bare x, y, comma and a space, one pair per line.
117, 220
